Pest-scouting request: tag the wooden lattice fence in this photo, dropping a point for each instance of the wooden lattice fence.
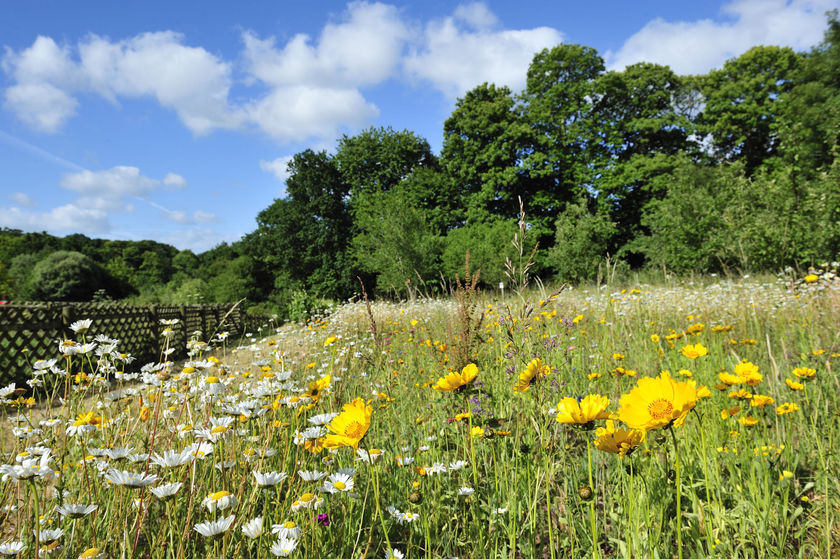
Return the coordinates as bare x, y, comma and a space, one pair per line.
32, 330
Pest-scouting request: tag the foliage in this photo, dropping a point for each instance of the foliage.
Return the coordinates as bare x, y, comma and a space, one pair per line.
66, 276
583, 238
488, 243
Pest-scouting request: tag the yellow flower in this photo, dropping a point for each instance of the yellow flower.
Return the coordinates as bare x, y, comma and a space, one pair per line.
740, 395
748, 421
811, 278
618, 356
749, 372
590, 408
331, 340
694, 351
805, 372
477, 432
760, 400
729, 379
350, 426
793, 385
534, 369
618, 441
654, 338
317, 387
787, 407
577, 319
659, 402
454, 381
730, 412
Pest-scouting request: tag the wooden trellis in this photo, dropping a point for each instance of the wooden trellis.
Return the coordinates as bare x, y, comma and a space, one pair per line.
32, 331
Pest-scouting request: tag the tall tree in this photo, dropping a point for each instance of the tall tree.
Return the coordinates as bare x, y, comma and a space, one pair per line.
641, 113
481, 149
564, 143
742, 104
303, 238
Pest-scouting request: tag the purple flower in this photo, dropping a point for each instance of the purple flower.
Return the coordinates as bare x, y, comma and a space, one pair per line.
324, 519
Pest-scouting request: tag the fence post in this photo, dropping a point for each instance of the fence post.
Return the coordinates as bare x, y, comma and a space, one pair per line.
66, 320
182, 315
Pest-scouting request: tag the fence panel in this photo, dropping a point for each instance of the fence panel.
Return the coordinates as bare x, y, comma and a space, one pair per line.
30, 331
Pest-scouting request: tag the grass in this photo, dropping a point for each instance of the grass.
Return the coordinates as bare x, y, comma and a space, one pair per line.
479, 472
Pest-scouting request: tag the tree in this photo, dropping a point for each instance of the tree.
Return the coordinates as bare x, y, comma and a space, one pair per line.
396, 241
303, 238
581, 242
66, 276
564, 145
809, 124
640, 112
481, 149
377, 159
488, 243
742, 104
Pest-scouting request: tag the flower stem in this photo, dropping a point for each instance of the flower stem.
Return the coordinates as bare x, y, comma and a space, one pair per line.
592, 502
677, 485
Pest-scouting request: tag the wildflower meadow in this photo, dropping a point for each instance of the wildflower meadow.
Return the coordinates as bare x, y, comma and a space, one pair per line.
672, 420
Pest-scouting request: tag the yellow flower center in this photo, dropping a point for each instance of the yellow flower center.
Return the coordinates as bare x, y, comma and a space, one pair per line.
660, 409
218, 429
219, 495
211, 380
339, 485
289, 525
307, 497
354, 430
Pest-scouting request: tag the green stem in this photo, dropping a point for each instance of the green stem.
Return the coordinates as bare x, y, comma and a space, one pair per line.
677, 485
592, 519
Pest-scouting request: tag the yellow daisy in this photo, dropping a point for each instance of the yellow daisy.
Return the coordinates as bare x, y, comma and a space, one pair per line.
454, 381
350, 426
590, 408
659, 402
534, 369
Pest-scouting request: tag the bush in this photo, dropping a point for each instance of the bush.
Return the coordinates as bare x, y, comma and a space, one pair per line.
581, 241
67, 276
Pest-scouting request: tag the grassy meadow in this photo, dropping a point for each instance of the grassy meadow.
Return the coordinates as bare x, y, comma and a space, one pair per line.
541, 424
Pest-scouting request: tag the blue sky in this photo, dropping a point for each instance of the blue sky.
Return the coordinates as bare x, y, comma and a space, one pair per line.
173, 121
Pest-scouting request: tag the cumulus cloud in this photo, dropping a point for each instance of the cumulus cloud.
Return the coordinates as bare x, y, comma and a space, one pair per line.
23, 200
699, 46
200, 216
278, 167
313, 85
189, 80
63, 219
460, 52
107, 190
174, 180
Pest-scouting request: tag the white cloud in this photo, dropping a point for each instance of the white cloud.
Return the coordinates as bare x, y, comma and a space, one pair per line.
314, 85
461, 52
200, 216
174, 180
69, 218
107, 190
697, 47
476, 14
189, 80
299, 113
278, 167
196, 239
23, 200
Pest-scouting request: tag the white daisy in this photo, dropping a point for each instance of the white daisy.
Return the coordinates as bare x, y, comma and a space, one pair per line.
129, 479
214, 527
76, 511
269, 479
283, 547
166, 491
288, 530
253, 528
11, 548
338, 483
220, 500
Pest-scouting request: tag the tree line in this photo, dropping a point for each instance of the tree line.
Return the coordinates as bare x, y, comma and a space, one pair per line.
732, 170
